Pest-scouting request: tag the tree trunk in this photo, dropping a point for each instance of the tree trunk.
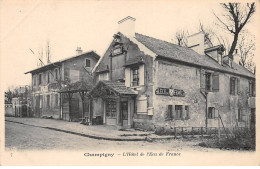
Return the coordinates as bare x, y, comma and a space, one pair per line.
234, 44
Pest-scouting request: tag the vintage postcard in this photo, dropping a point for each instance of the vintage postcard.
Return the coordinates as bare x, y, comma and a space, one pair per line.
107, 83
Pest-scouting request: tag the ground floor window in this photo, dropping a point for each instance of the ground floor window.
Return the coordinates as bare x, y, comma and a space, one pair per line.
56, 100
48, 101
239, 115
178, 112
211, 112
111, 109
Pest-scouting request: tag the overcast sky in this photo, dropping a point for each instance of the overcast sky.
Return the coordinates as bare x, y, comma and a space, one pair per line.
30, 24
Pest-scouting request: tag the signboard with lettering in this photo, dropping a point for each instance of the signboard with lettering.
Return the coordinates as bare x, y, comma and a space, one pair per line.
170, 92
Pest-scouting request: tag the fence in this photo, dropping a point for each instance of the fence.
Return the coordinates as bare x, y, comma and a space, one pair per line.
198, 131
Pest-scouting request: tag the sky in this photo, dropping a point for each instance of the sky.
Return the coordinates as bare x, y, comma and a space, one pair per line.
67, 24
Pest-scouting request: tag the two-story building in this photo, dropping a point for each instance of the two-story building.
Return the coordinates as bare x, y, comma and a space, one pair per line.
49, 80
143, 81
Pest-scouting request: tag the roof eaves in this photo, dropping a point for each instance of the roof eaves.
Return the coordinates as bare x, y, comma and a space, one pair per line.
203, 66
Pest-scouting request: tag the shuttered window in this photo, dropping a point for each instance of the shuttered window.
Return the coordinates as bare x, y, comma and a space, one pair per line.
215, 81
239, 115
251, 88
209, 81
179, 112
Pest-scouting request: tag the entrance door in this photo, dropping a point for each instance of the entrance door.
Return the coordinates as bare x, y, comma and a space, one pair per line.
75, 110
124, 113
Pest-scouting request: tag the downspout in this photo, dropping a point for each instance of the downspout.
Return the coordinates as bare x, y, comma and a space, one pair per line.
206, 114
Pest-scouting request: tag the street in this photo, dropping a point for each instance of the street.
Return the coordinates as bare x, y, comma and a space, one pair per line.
24, 137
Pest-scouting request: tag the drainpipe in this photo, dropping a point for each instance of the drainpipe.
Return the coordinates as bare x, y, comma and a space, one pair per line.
206, 114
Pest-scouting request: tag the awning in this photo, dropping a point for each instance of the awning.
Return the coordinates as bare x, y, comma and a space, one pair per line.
106, 89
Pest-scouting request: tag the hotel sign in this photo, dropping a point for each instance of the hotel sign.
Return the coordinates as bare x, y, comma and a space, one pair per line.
169, 92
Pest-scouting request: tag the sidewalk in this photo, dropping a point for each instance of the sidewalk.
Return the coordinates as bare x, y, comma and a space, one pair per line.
97, 131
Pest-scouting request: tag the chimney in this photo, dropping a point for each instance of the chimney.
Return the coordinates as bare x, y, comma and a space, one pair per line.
196, 42
236, 57
127, 26
78, 51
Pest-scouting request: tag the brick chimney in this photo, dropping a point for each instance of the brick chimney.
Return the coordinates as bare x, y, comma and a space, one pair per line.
196, 42
127, 26
236, 57
78, 51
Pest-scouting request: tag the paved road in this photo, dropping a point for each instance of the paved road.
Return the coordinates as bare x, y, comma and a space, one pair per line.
23, 137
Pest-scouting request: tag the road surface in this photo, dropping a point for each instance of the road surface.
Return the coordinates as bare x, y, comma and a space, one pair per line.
23, 137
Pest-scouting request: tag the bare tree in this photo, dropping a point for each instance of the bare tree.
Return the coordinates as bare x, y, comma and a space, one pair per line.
236, 16
208, 34
246, 46
181, 38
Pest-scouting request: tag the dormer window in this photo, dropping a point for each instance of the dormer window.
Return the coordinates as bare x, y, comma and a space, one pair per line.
135, 73
87, 63
117, 38
117, 50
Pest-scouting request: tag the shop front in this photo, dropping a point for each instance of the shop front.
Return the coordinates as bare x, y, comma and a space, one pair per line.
114, 102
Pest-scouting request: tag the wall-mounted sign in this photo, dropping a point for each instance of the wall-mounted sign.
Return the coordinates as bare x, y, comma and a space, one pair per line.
169, 92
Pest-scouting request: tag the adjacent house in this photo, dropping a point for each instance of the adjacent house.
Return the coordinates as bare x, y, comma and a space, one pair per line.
57, 87
142, 82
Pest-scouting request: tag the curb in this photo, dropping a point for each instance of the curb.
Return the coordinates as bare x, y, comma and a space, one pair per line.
84, 135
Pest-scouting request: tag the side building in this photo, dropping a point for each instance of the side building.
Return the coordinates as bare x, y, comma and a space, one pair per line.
49, 80
144, 82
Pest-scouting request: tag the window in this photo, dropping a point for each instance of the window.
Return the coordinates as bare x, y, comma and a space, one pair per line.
211, 112
232, 86
87, 63
135, 80
56, 100
117, 50
40, 79
208, 81
56, 74
74, 75
251, 88
48, 77
141, 104
48, 101
178, 112
110, 109
103, 76
34, 80
239, 115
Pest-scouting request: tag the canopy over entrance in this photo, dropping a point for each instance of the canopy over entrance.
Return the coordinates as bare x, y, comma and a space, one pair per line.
110, 89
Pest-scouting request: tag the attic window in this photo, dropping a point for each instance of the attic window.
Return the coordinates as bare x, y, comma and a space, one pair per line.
118, 49
87, 63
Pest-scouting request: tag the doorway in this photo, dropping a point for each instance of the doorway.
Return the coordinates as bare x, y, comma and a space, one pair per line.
124, 113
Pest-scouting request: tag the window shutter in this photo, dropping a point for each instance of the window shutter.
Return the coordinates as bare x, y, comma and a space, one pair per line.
141, 75
215, 79
250, 88
230, 85
169, 112
187, 113
127, 77
202, 79
254, 88
183, 112
238, 85
215, 114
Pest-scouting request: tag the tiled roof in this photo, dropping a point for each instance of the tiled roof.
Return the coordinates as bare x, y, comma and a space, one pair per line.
77, 87
186, 55
117, 87
51, 65
102, 67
